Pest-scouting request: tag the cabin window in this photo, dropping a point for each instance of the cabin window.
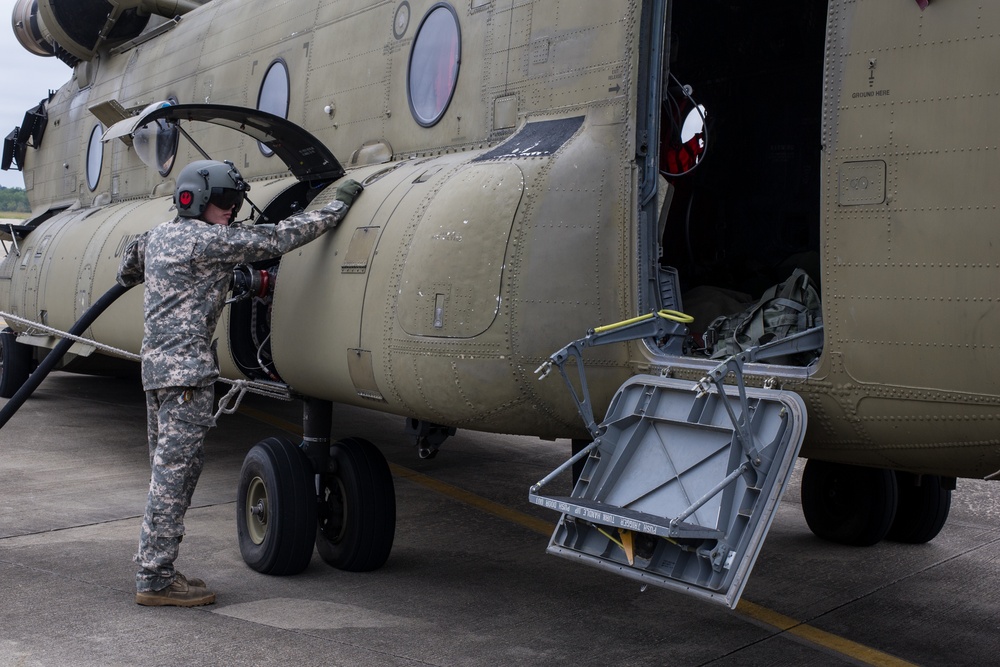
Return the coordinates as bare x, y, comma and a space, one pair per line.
274, 95
434, 61
95, 156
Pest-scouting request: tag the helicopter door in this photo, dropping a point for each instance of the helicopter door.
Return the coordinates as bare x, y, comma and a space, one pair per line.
681, 484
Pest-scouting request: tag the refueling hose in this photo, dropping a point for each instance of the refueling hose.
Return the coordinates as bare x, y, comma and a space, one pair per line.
57, 353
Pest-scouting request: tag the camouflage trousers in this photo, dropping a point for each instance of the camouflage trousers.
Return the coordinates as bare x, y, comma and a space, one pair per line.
177, 421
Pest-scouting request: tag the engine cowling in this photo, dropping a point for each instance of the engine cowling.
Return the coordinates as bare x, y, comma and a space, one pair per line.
75, 30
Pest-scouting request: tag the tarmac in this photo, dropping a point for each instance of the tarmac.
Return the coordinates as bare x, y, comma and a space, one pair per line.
468, 582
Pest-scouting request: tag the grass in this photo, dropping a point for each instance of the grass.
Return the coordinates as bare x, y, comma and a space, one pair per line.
14, 215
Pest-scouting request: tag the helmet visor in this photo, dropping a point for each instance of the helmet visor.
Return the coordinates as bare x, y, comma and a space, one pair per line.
226, 198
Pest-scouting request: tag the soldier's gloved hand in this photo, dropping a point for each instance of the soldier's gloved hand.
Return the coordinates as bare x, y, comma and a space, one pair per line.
348, 191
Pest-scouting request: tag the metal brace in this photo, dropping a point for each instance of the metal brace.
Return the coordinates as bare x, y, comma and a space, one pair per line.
659, 325
664, 324
810, 339
13, 238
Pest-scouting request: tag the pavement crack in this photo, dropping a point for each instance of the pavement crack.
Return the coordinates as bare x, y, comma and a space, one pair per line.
105, 522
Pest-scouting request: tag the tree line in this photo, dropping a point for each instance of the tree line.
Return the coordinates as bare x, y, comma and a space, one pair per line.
14, 200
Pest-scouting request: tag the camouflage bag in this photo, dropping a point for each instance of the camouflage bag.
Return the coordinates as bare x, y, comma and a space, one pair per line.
784, 309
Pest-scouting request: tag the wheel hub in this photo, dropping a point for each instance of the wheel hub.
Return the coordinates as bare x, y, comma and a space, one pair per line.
333, 509
256, 509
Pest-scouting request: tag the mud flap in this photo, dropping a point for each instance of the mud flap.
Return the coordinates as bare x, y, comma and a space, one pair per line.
680, 486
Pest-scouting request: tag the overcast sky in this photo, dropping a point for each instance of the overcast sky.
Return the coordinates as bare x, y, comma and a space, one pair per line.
26, 80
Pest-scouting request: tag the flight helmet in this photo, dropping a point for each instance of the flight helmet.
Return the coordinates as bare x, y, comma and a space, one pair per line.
208, 181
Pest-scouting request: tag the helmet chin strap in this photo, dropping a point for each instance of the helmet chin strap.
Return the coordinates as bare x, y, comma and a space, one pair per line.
253, 209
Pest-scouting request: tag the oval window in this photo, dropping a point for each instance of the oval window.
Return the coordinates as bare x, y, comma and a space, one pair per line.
156, 143
95, 157
434, 61
274, 95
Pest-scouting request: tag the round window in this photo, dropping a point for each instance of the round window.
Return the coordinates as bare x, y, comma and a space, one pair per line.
156, 142
434, 60
95, 157
274, 95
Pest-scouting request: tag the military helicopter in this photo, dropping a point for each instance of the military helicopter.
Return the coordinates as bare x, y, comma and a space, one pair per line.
632, 193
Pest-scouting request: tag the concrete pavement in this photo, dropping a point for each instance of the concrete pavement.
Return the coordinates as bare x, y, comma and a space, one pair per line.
468, 582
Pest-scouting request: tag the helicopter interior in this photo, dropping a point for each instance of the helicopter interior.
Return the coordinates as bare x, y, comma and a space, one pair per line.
745, 166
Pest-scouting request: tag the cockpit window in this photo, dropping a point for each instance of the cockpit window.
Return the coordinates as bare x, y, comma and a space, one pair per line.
156, 143
274, 95
434, 61
95, 156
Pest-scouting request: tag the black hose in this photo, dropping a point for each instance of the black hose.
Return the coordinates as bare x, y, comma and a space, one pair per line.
57, 353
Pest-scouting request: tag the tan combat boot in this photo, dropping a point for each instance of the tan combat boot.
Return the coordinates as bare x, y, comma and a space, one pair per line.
191, 581
181, 593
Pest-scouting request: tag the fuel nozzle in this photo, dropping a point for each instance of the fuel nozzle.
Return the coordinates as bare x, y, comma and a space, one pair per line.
249, 282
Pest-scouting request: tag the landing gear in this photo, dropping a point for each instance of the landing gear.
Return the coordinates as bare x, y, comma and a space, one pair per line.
276, 508
848, 504
357, 508
15, 363
924, 503
279, 517
861, 506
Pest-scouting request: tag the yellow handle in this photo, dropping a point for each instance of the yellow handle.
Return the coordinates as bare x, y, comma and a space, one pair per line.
676, 316
666, 314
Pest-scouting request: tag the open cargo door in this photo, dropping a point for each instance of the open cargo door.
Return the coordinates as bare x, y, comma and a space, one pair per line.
681, 482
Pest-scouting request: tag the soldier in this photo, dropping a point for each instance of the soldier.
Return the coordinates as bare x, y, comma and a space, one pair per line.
187, 265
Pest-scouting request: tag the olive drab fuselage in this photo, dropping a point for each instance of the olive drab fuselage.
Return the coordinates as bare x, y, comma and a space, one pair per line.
525, 197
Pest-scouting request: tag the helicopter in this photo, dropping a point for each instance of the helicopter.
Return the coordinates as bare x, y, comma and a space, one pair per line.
629, 193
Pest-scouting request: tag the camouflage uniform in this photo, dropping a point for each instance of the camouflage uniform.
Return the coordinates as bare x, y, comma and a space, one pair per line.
187, 266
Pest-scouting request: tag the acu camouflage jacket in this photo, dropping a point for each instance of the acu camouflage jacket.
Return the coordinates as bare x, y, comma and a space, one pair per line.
187, 266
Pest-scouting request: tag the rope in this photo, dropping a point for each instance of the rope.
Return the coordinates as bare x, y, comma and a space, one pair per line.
228, 404
37, 326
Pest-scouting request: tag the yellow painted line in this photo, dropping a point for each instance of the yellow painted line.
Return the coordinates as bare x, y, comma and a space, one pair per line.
496, 509
807, 633
270, 419
860, 652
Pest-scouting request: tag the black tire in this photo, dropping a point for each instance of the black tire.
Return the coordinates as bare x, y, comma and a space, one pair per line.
15, 363
276, 508
848, 504
357, 508
923, 508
